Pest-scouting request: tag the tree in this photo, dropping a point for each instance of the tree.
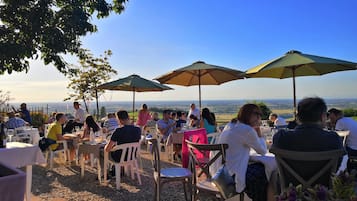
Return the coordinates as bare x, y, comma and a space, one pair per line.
47, 28
4, 100
91, 73
264, 108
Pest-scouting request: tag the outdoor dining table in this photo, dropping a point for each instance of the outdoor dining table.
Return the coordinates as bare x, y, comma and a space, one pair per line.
18, 154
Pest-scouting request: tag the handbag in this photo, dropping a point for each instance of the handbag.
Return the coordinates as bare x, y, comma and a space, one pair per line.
223, 180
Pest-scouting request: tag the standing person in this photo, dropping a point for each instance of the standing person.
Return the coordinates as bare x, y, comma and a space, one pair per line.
126, 134
166, 125
143, 116
79, 115
345, 123
194, 111
25, 113
207, 121
241, 135
88, 125
309, 136
277, 120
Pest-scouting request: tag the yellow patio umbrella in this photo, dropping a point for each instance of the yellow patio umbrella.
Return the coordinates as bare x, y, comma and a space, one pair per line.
295, 63
200, 73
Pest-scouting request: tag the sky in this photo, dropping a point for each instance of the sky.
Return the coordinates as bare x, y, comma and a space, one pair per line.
151, 38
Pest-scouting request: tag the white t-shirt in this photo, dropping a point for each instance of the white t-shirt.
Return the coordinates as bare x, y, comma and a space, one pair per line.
347, 123
240, 139
195, 112
80, 114
280, 122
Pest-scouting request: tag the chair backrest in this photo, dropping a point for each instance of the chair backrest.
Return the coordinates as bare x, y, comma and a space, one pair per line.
213, 137
306, 168
155, 156
197, 150
196, 136
129, 151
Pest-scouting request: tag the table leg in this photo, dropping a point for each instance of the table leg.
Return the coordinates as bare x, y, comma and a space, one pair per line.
28, 182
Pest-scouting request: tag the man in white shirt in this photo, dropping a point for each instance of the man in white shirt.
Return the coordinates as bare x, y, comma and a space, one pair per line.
278, 121
194, 111
79, 114
345, 123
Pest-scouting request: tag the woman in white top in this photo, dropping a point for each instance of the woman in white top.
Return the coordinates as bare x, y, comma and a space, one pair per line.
241, 135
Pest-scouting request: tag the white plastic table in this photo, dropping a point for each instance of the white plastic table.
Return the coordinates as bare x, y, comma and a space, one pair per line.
18, 154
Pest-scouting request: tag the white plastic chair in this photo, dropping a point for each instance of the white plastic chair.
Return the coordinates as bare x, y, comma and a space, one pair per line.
131, 163
213, 137
63, 152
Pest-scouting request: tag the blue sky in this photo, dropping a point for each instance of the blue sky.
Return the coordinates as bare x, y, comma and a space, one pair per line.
151, 38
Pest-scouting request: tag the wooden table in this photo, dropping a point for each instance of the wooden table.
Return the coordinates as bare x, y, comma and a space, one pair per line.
18, 154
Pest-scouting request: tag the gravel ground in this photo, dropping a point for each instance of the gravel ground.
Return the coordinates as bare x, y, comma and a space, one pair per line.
63, 182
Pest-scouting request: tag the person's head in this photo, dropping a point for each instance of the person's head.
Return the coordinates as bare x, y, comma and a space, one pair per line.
312, 110
193, 106
173, 115
144, 107
155, 116
54, 114
206, 114
123, 116
193, 117
61, 118
273, 117
334, 114
91, 123
110, 115
166, 114
179, 114
76, 105
250, 114
23, 106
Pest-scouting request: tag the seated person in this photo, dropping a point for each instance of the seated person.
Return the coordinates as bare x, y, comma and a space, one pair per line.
14, 122
277, 120
110, 124
89, 124
242, 134
207, 121
180, 120
194, 122
128, 133
166, 125
345, 123
309, 136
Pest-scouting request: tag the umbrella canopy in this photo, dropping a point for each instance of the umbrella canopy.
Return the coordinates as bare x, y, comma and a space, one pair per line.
200, 73
294, 64
134, 83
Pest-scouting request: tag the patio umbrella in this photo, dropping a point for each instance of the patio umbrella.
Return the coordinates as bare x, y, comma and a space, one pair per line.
294, 64
200, 73
134, 83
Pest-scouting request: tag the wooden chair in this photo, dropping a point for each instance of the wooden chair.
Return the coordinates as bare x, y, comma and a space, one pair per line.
131, 150
217, 153
165, 175
318, 166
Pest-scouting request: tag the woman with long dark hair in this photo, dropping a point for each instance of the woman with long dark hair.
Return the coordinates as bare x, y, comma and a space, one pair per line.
88, 125
207, 121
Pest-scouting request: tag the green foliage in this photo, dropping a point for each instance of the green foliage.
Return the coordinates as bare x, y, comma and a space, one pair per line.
4, 100
264, 108
38, 119
350, 112
103, 112
47, 28
92, 73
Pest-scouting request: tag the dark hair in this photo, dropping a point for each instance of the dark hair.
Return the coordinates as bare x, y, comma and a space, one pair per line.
193, 117
311, 109
75, 103
166, 112
246, 111
274, 115
59, 116
91, 123
206, 114
122, 115
179, 113
335, 111
145, 106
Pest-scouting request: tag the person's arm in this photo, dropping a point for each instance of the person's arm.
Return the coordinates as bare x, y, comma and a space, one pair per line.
109, 146
201, 123
256, 142
164, 130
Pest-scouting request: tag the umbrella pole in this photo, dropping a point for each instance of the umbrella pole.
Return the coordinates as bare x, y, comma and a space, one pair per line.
133, 105
294, 91
199, 87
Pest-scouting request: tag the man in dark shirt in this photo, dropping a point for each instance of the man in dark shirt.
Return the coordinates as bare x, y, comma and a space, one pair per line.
127, 133
309, 136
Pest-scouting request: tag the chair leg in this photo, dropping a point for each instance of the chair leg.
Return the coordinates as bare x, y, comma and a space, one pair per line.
82, 165
137, 171
51, 160
241, 196
99, 171
117, 176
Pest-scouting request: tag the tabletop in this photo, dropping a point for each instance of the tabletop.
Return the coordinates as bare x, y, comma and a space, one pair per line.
18, 154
